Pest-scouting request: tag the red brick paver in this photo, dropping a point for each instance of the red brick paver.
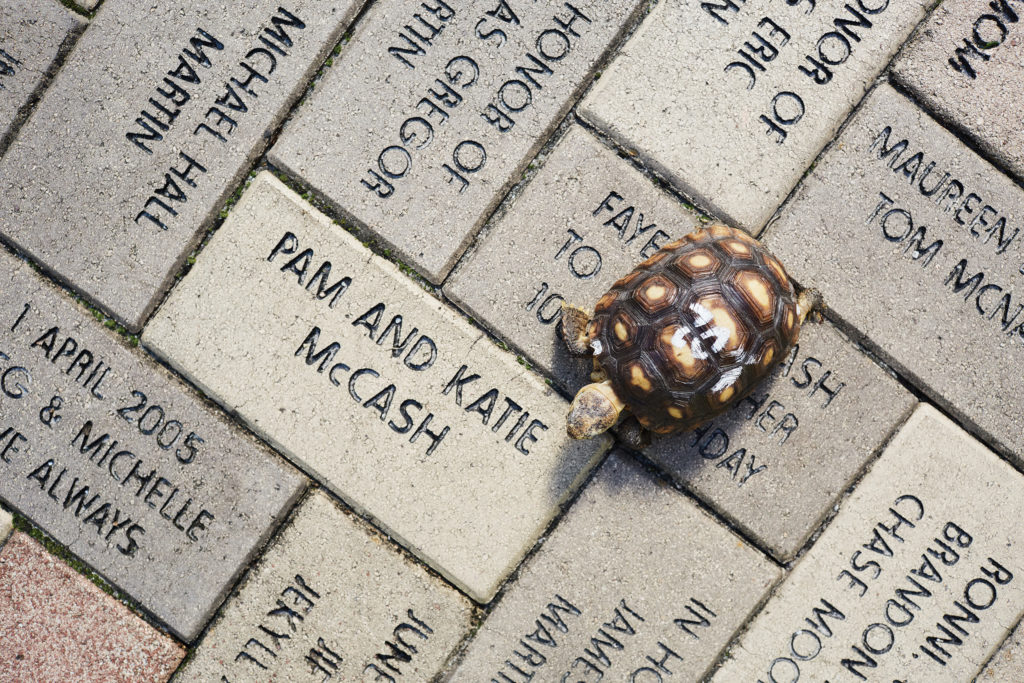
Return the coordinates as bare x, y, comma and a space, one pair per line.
56, 626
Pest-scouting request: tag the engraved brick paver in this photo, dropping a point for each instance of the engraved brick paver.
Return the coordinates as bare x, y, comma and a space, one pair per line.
915, 243
731, 101
833, 526
917, 578
33, 36
404, 410
1007, 664
635, 583
777, 462
330, 600
582, 223
793, 446
150, 124
434, 109
56, 626
965, 66
116, 460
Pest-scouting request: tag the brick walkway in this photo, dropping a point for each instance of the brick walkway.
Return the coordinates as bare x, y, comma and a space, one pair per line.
283, 395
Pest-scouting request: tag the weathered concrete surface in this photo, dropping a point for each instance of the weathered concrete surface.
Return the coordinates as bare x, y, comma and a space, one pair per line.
634, 581
434, 110
121, 463
915, 579
732, 101
343, 604
915, 243
407, 412
146, 130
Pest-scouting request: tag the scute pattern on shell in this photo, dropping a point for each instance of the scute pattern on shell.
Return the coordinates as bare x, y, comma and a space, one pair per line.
693, 328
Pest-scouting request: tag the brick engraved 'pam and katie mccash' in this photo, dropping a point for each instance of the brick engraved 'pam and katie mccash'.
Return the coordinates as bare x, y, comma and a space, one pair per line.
34, 34
731, 101
917, 579
635, 584
434, 109
915, 243
407, 412
144, 132
123, 465
965, 66
329, 600
792, 446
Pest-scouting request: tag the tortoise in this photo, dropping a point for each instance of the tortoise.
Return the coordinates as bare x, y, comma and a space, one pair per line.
684, 336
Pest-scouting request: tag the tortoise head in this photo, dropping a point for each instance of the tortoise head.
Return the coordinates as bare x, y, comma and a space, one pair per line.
594, 410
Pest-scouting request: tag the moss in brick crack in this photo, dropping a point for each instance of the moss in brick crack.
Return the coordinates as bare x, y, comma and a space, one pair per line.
78, 10
109, 323
236, 195
404, 268
56, 549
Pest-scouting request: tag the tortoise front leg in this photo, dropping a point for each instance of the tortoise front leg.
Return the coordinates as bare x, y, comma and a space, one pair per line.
633, 434
809, 303
574, 330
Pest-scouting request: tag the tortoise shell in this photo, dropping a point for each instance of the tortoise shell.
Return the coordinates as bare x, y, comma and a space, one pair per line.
691, 330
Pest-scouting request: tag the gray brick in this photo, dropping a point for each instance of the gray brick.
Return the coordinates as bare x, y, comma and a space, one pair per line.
116, 460
146, 130
34, 34
915, 243
690, 88
635, 580
964, 66
916, 579
406, 411
416, 136
336, 596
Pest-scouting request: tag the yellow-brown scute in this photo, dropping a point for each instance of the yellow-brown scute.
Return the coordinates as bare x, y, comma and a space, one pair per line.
776, 268
757, 292
695, 263
719, 230
726, 333
736, 247
655, 293
693, 328
639, 379
625, 330
675, 345
605, 302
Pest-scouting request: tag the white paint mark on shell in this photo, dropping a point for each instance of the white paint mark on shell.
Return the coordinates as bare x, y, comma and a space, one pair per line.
727, 379
595, 346
721, 336
703, 314
697, 349
679, 339
717, 332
